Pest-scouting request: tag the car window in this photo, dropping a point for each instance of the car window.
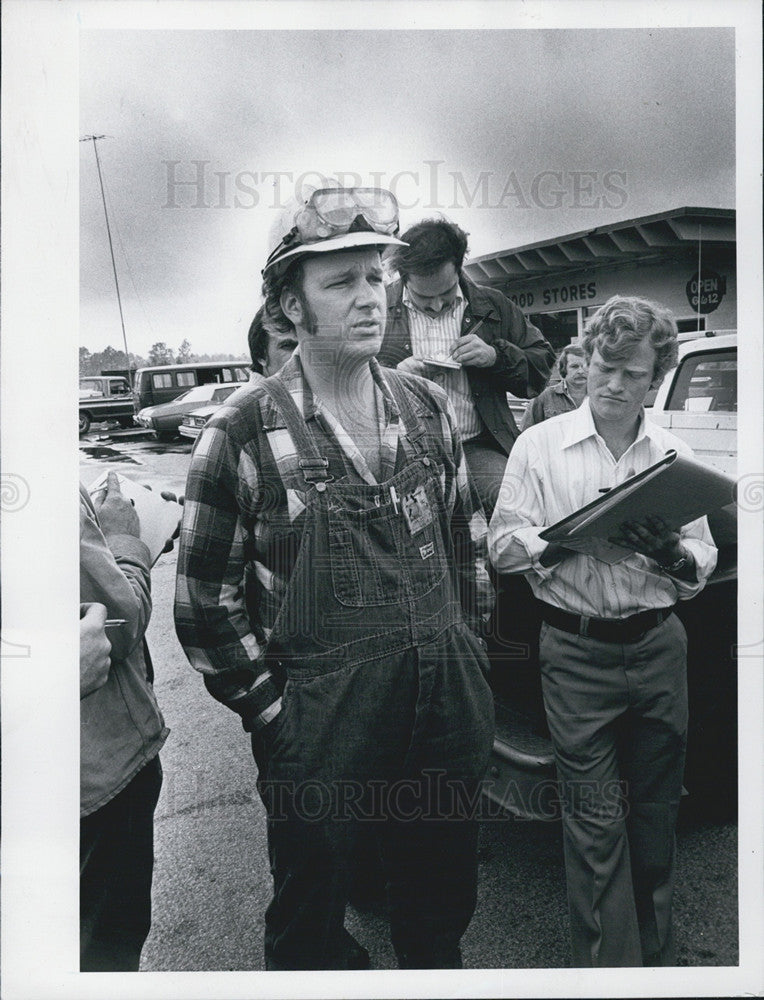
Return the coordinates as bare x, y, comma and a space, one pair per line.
706, 383
233, 374
220, 394
200, 392
162, 380
186, 378
650, 397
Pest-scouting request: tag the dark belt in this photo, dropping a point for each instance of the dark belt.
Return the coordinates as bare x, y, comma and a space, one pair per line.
605, 629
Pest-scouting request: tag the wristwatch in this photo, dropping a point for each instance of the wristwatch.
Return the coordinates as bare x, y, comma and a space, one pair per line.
676, 566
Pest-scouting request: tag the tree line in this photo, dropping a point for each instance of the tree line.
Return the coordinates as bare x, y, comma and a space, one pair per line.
110, 359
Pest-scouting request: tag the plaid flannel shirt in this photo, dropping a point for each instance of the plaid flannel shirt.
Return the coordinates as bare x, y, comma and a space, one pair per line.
243, 455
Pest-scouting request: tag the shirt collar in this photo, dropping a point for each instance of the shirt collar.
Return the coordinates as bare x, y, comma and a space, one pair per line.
293, 377
581, 426
391, 409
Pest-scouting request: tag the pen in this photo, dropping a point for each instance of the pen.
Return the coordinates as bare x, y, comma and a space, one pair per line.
114, 621
478, 324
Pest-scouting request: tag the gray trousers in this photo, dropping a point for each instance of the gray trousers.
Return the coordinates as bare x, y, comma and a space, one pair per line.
618, 718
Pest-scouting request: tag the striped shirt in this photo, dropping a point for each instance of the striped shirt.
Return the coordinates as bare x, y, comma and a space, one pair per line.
433, 337
554, 469
245, 456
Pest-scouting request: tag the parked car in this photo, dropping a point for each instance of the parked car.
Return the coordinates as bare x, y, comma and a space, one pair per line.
105, 397
192, 425
165, 418
162, 383
697, 401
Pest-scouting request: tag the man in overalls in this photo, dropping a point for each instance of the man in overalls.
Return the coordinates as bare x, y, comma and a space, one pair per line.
362, 681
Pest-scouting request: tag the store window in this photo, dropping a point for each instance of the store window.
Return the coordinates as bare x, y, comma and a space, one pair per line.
559, 328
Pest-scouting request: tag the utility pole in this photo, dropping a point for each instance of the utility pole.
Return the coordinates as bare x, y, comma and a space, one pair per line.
94, 139
700, 244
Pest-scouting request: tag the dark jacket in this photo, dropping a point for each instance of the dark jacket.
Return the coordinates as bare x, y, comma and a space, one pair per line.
553, 401
523, 357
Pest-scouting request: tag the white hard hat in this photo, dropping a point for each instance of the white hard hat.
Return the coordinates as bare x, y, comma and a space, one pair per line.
287, 238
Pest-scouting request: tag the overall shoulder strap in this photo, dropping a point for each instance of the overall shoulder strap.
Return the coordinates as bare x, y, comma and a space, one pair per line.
416, 431
313, 465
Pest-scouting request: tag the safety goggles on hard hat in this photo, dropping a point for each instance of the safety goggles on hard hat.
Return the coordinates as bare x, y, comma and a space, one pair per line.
366, 215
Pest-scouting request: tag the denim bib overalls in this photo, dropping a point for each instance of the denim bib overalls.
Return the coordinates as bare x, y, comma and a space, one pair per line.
386, 717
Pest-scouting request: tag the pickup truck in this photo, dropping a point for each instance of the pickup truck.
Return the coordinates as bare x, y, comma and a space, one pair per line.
105, 397
697, 401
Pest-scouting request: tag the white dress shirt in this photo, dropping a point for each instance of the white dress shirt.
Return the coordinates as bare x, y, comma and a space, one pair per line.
433, 337
554, 469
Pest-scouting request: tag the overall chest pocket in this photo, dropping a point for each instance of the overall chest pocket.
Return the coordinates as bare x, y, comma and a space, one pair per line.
376, 559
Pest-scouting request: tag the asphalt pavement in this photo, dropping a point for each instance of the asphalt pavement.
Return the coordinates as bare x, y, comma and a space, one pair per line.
212, 883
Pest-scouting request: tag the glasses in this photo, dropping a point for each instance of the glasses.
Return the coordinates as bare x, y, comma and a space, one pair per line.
336, 211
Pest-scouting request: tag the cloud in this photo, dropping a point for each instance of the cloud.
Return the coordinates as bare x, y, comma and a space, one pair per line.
450, 119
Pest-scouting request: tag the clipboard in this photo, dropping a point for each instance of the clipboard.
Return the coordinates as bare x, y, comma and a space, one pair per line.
676, 488
441, 363
158, 518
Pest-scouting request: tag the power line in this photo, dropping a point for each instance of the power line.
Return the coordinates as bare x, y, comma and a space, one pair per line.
126, 257
94, 139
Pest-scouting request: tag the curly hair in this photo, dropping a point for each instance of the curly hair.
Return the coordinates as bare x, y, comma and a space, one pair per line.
257, 338
623, 322
576, 350
431, 244
275, 281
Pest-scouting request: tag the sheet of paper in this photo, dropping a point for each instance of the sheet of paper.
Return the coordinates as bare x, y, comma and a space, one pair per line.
159, 518
441, 362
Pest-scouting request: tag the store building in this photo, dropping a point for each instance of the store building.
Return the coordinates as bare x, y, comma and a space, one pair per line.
684, 259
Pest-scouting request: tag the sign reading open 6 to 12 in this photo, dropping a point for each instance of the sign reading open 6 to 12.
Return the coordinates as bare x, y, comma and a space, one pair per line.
709, 287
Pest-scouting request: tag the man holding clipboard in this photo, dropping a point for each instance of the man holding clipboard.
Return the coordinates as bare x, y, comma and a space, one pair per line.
613, 656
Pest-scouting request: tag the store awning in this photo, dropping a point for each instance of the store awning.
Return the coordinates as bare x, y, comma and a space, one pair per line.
649, 238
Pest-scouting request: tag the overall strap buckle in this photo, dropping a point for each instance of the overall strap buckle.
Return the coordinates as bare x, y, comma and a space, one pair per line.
417, 437
315, 472
416, 431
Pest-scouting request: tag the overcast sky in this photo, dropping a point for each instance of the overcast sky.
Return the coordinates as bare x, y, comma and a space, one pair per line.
516, 135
